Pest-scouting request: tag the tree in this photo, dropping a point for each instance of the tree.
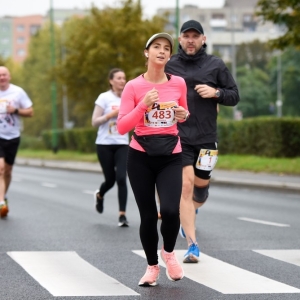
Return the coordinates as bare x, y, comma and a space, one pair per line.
284, 13
86, 49
37, 75
254, 55
290, 70
113, 37
254, 92
291, 82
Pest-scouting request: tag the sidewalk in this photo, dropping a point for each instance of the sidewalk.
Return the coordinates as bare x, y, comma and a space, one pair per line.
224, 177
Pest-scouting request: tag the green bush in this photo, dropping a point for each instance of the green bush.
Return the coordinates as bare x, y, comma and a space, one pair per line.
79, 139
263, 136
29, 142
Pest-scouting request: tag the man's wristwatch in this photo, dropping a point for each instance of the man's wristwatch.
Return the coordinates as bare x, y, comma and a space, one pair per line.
16, 111
217, 93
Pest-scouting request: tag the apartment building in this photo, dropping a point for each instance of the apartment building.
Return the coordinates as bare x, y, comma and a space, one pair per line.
15, 32
23, 29
232, 24
6, 33
61, 15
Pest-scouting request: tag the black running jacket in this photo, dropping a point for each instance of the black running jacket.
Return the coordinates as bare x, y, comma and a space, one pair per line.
202, 68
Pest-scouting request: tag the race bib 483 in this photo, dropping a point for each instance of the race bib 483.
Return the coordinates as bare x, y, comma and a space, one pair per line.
161, 114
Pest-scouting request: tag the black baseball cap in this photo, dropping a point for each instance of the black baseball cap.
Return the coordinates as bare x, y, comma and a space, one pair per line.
192, 24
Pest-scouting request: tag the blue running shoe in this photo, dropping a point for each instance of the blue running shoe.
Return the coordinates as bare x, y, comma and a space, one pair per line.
192, 255
181, 232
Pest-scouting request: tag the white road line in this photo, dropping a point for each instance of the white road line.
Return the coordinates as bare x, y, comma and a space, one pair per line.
263, 222
88, 192
49, 185
66, 274
226, 278
289, 256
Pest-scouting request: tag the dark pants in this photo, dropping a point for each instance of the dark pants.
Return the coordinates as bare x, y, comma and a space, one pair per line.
112, 159
165, 172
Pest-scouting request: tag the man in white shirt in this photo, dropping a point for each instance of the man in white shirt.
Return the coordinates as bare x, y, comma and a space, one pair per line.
14, 103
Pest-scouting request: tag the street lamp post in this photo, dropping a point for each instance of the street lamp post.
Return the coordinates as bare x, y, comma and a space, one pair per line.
53, 83
233, 53
177, 26
279, 86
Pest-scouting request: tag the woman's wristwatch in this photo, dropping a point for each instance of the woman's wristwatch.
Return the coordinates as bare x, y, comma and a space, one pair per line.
187, 115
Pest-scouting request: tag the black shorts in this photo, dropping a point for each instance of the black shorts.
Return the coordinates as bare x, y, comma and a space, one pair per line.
190, 154
9, 149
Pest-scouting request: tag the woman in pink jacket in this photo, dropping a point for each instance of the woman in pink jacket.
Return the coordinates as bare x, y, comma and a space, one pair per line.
152, 104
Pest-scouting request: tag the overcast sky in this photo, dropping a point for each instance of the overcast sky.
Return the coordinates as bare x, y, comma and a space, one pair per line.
28, 7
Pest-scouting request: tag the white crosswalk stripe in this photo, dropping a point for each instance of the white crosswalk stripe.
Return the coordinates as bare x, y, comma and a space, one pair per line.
289, 256
67, 274
226, 278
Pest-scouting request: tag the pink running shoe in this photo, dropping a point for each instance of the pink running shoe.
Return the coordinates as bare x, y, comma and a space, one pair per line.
150, 277
174, 270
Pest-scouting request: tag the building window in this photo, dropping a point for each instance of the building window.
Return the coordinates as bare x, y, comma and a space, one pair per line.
34, 29
218, 16
249, 22
225, 51
172, 19
5, 53
4, 28
218, 22
21, 52
247, 18
21, 40
185, 17
20, 28
4, 41
201, 18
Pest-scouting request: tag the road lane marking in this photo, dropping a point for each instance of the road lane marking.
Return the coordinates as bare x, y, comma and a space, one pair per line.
263, 222
226, 278
50, 185
89, 192
66, 274
289, 256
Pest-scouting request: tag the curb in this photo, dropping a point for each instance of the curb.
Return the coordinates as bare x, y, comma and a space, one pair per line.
63, 165
239, 182
227, 178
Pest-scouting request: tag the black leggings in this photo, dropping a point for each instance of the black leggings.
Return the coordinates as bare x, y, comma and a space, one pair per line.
165, 172
112, 159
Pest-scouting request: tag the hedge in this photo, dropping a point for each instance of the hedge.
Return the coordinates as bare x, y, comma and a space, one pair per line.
261, 136
271, 137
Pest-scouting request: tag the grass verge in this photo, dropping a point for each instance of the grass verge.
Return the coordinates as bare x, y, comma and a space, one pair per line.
259, 164
225, 162
60, 155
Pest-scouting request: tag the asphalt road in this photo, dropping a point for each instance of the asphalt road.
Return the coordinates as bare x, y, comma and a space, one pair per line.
55, 245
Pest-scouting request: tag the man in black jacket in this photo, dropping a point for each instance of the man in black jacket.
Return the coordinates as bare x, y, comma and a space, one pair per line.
209, 83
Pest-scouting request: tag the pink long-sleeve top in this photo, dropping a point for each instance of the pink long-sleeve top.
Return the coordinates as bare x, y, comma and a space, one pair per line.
133, 111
